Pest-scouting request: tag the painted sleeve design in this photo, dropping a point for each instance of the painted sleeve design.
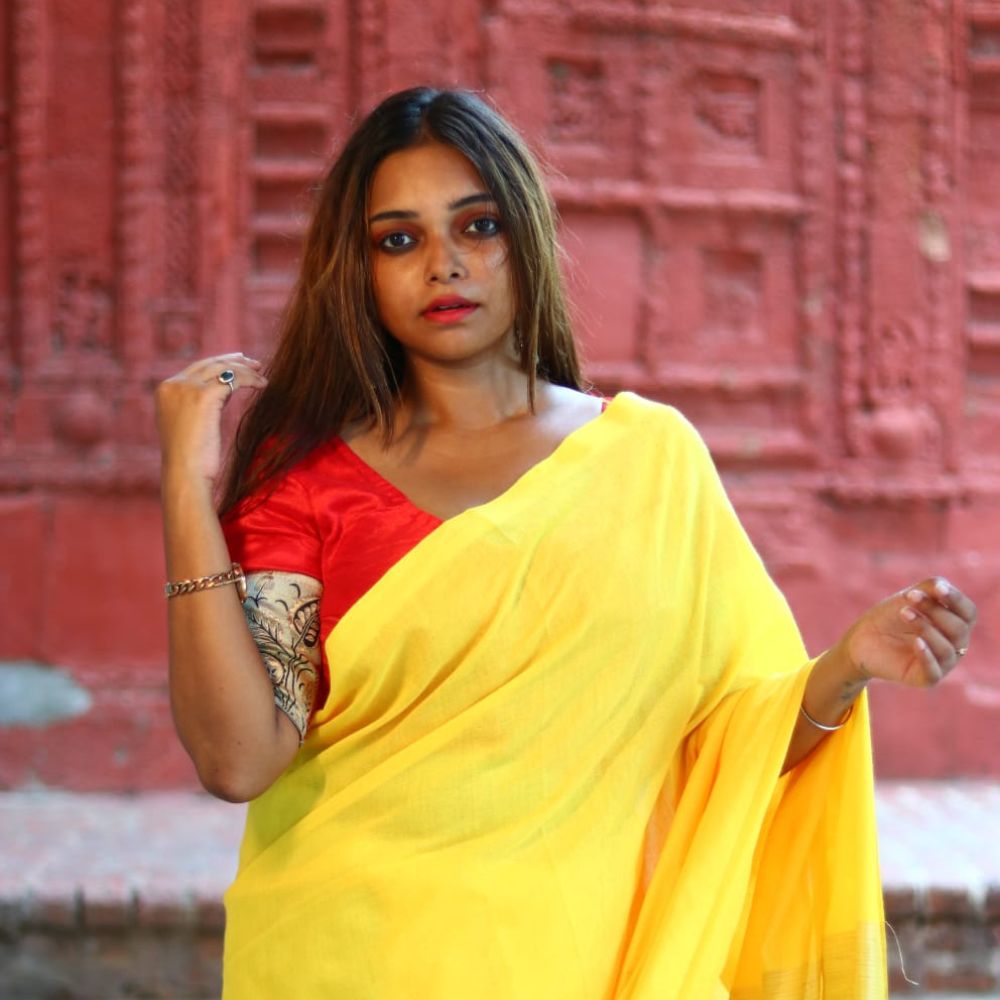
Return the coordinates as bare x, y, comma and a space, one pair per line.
282, 610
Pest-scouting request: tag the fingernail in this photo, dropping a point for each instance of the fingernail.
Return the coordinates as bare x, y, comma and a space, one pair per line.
915, 595
942, 588
908, 613
922, 644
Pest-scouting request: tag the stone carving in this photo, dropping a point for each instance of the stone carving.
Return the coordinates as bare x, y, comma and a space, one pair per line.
981, 243
83, 419
83, 314
943, 343
30, 37
812, 267
132, 215
287, 40
721, 169
576, 101
370, 27
297, 74
898, 424
6, 248
893, 334
727, 106
783, 530
177, 330
984, 33
181, 243
902, 433
851, 223
984, 313
733, 296
891, 374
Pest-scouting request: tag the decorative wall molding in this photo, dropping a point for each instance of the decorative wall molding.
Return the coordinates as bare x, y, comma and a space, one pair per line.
31, 265
780, 216
134, 220
853, 196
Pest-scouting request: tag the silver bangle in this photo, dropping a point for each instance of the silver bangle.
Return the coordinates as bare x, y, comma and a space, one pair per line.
820, 725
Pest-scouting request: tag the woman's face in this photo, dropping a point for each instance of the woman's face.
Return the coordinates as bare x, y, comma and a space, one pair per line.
441, 277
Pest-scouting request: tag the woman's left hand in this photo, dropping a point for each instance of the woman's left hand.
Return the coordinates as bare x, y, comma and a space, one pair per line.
915, 637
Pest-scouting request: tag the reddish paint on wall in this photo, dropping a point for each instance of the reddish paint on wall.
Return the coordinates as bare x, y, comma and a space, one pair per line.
782, 217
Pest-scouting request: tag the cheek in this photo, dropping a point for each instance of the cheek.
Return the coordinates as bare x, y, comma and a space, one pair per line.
496, 256
386, 308
494, 259
378, 291
385, 286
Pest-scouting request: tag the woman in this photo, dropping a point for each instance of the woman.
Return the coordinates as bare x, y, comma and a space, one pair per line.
534, 720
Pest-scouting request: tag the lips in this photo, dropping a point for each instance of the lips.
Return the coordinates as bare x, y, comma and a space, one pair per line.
449, 309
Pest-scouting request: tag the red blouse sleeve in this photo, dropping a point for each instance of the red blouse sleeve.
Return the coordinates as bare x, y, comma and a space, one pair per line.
275, 530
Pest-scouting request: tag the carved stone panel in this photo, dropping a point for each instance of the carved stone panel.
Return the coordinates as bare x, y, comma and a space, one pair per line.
898, 311
572, 87
781, 216
683, 122
119, 221
982, 235
6, 213
298, 82
721, 115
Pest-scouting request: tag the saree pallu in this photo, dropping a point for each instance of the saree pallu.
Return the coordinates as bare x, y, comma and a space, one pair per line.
549, 764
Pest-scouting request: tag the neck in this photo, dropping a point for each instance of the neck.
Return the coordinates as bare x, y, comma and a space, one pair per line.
462, 398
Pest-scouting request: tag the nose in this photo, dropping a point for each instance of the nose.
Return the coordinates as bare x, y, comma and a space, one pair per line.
444, 261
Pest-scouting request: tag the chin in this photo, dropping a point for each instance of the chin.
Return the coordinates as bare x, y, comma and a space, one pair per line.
455, 348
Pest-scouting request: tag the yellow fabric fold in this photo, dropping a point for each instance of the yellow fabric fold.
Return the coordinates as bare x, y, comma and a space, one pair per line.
548, 765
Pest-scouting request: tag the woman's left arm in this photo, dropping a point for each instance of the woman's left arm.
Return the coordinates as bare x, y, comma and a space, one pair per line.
915, 637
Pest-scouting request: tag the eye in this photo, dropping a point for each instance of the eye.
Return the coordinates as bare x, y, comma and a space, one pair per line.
485, 225
395, 241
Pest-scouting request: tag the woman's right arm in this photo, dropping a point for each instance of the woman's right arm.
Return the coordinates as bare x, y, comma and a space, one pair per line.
222, 698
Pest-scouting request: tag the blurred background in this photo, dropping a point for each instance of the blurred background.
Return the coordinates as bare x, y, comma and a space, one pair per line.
782, 216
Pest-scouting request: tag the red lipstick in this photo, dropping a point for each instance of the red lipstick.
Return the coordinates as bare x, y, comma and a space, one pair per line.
449, 309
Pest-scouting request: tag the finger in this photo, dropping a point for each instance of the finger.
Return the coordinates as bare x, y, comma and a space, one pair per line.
235, 356
240, 358
931, 668
939, 654
243, 376
947, 622
220, 362
952, 598
944, 592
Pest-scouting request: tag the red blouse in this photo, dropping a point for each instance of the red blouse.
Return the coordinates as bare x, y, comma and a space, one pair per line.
334, 518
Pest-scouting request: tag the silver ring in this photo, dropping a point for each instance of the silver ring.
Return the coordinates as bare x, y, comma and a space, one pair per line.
227, 378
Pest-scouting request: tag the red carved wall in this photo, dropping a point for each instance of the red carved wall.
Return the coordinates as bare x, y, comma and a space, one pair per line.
783, 216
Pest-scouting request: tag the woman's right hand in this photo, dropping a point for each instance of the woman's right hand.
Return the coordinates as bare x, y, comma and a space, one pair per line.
189, 409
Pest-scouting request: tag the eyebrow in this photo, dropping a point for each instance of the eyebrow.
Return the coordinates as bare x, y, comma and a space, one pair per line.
469, 199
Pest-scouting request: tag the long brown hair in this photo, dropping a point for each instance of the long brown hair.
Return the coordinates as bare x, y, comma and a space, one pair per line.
335, 363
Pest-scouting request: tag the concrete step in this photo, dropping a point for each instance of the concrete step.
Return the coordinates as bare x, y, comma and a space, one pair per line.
105, 896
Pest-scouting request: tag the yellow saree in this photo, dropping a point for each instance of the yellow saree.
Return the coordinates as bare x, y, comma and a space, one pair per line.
548, 766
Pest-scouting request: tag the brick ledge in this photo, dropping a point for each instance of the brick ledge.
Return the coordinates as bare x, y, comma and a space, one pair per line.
88, 870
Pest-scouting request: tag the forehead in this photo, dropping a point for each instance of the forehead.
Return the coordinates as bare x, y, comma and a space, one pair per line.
423, 177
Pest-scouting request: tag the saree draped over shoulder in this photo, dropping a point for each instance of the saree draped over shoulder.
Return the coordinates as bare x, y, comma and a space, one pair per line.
548, 764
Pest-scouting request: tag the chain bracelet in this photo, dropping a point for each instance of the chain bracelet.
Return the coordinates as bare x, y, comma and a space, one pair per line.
233, 575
